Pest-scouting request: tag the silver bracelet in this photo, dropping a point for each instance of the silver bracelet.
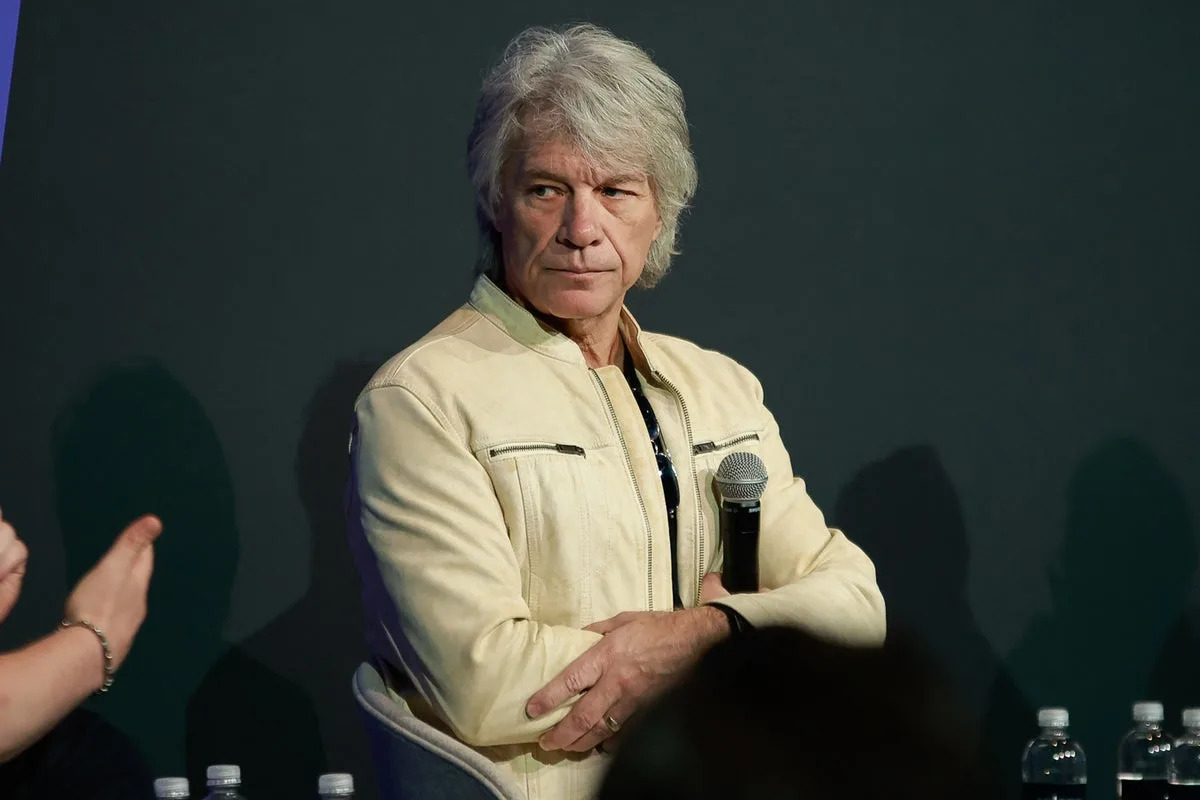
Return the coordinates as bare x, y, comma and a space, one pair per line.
108, 656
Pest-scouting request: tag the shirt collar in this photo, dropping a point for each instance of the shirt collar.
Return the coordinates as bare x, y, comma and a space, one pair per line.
515, 320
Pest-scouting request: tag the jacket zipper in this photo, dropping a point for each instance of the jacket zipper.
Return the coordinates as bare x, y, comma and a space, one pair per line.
692, 449
612, 413
569, 449
712, 447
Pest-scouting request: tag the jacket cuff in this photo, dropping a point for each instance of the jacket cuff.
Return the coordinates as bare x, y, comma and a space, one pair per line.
737, 623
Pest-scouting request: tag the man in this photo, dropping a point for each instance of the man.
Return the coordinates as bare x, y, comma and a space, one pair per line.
532, 501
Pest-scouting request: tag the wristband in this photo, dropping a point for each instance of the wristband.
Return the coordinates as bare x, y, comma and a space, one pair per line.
737, 623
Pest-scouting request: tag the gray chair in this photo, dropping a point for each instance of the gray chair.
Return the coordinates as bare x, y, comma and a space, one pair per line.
416, 761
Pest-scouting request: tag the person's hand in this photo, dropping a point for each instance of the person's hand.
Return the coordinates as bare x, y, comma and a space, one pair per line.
711, 588
112, 596
640, 652
13, 556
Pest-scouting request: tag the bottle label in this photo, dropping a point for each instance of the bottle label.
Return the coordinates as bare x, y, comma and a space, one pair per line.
1137, 789
1054, 791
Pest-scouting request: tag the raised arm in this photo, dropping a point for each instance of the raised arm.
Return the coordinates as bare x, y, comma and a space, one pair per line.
43, 681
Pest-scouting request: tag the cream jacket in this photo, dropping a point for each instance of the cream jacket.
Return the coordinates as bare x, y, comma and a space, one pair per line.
505, 495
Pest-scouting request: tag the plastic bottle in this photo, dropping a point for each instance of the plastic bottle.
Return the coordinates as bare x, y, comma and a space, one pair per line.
1184, 776
224, 781
1144, 756
1054, 766
335, 786
171, 789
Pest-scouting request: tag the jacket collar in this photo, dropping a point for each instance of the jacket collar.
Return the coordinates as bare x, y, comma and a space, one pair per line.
514, 320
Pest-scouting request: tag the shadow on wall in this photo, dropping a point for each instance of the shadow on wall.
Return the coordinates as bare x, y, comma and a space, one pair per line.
138, 442
316, 643
905, 513
1116, 633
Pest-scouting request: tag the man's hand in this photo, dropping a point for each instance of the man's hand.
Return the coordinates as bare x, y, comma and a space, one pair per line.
639, 654
711, 588
112, 596
13, 556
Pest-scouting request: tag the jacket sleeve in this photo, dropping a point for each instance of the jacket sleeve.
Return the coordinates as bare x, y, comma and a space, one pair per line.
434, 528
817, 579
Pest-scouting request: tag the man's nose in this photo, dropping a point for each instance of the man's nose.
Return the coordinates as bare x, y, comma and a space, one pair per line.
579, 225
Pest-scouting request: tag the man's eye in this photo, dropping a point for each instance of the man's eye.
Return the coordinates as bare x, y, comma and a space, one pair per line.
611, 191
542, 190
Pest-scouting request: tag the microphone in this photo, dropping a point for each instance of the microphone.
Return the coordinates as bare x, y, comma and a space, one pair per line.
741, 480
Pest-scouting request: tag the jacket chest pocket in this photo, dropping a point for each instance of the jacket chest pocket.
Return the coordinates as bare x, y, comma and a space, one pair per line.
709, 453
556, 514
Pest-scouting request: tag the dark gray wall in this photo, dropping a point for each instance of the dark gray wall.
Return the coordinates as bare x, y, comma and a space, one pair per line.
956, 241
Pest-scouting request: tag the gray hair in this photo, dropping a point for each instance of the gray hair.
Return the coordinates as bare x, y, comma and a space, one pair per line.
609, 99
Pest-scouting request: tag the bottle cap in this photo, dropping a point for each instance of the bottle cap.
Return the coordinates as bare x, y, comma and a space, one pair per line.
224, 775
1191, 718
335, 783
1147, 712
1053, 717
171, 788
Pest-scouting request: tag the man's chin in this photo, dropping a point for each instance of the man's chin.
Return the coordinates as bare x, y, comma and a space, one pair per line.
579, 304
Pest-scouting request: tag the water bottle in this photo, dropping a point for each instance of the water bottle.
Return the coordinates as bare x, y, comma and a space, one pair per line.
171, 789
1144, 756
336, 786
1184, 776
1054, 767
224, 780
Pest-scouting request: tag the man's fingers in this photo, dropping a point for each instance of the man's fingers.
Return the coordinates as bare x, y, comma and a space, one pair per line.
583, 718
580, 674
711, 588
601, 731
610, 624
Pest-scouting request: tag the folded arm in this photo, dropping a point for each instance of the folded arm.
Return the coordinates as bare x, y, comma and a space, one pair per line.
816, 578
432, 522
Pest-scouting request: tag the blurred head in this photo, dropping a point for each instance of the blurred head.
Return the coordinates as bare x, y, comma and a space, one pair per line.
779, 714
581, 164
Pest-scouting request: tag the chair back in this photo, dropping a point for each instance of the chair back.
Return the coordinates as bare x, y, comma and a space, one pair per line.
416, 761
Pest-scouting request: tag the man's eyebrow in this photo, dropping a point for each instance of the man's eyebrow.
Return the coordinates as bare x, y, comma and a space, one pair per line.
625, 177
543, 175
538, 173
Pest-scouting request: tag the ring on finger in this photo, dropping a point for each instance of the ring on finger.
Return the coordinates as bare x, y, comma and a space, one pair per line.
612, 723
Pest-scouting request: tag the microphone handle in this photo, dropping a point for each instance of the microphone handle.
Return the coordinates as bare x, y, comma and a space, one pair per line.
739, 542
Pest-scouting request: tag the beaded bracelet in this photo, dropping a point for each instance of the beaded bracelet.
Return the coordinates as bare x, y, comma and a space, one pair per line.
108, 656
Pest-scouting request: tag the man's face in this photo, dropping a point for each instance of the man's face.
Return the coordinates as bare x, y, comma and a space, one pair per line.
574, 236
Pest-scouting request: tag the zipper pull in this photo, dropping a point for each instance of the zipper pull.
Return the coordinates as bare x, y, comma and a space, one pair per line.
704, 447
570, 449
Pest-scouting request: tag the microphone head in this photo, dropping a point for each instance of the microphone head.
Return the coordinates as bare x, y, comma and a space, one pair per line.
741, 477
